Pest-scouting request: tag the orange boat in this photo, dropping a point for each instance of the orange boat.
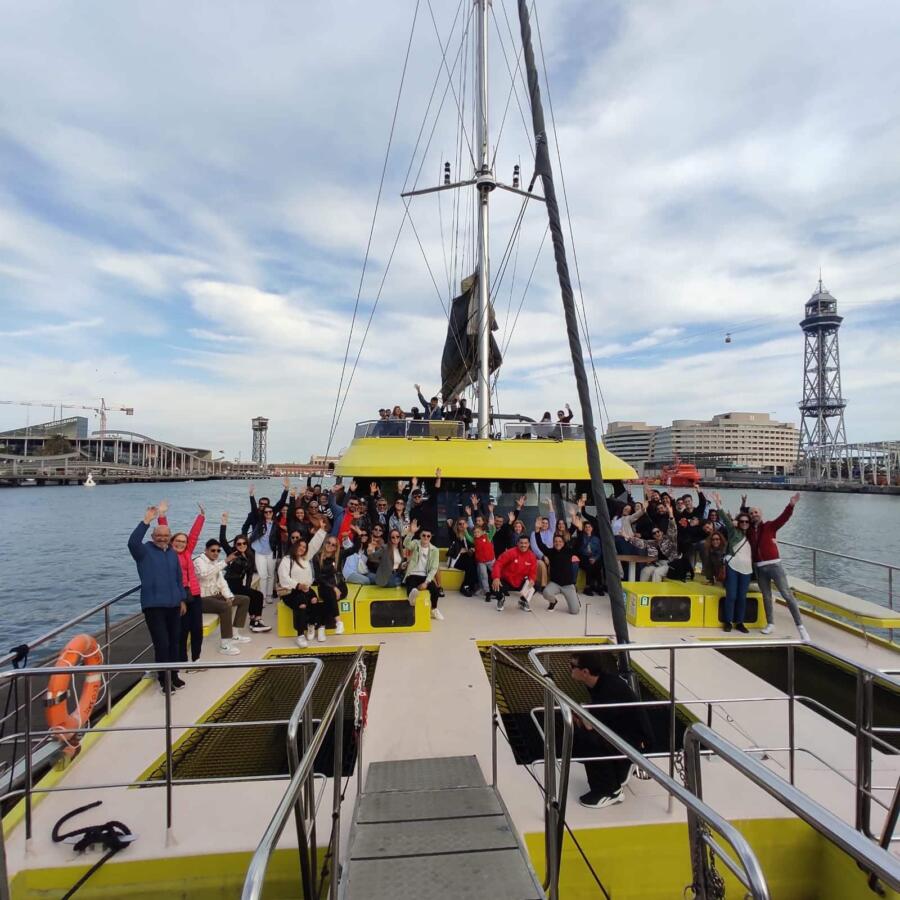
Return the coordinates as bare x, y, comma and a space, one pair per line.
679, 474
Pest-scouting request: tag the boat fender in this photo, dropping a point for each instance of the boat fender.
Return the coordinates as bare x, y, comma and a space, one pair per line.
111, 836
66, 725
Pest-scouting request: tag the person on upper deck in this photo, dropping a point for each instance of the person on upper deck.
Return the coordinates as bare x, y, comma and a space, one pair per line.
515, 570
432, 408
563, 418
162, 590
767, 563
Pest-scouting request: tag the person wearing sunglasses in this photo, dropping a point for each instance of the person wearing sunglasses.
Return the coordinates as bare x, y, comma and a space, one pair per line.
216, 597
296, 577
328, 565
661, 545
239, 572
264, 540
738, 569
422, 567
389, 560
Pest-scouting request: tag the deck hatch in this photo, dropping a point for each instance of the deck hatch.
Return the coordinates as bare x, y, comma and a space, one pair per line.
253, 751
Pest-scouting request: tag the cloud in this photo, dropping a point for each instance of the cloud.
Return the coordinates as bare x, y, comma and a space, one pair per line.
52, 329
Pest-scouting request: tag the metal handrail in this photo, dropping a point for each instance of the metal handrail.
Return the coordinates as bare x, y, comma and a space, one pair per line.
872, 858
166, 669
410, 428
865, 732
256, 872
749, 872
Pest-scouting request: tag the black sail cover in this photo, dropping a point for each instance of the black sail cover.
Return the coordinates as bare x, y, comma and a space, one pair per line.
459, 364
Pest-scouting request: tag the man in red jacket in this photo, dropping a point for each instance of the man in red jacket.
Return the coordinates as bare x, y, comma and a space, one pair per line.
767, 564
515, 570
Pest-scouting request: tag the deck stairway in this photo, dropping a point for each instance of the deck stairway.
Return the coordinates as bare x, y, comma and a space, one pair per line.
434, 829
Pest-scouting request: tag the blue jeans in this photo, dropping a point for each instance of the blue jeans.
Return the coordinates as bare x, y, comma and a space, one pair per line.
736, 585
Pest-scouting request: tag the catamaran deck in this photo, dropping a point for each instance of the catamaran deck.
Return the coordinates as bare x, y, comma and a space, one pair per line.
431, 697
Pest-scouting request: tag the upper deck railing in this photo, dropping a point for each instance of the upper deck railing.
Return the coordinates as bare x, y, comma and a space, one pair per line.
451, 428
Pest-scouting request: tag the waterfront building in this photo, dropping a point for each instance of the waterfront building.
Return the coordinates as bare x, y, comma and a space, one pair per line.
747, 440
630, 441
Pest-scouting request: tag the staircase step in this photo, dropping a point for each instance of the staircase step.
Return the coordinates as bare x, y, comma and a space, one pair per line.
498, 874
440, 773
411, 806
424, 838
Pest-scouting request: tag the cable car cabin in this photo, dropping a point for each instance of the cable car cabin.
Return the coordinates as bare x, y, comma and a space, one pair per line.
542, 461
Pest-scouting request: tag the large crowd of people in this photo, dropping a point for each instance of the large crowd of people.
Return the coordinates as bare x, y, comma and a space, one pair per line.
312, 542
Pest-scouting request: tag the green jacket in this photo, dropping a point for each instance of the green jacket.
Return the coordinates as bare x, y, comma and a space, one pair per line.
431, 564
735, 536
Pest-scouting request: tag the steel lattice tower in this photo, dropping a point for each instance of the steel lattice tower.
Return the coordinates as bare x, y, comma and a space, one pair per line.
822, 435
260, 433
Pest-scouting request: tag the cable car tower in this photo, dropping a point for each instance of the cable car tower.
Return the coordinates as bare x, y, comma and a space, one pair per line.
823, 438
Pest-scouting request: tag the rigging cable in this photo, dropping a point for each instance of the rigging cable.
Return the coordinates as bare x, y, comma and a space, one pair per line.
601, 401
405, 214
362, 274
512, 87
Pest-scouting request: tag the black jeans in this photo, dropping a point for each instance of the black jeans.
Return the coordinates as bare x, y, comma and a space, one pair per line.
164, 625
191, 626
256, 597
414, 581
329, 594
306, 611
469, 567
603, 777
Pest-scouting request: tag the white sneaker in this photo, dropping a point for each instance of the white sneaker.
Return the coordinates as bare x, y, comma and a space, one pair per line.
269, 600
228, 649
320, 634
804, 634
310, 632
339, 627
301, 641
412, 596
239, 638
768, 629
437, 614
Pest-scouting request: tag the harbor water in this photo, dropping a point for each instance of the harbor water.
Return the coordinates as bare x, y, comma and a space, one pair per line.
65, 547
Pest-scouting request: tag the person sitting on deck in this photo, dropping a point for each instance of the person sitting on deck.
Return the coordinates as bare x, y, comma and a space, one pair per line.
461, 555
356, 560
389, 560
295, 575
606, 778
432, 407
588, 549
216, 597
662, 545
712, 558
558, 559
327, 565
515, 570
767, 564
239, 572
399, 517
544, 527
422, 567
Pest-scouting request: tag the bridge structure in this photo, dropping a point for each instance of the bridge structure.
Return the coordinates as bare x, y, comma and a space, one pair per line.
111, 456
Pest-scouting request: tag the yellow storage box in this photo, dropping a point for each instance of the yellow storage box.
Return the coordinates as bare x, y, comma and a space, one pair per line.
664, 604
386, 610
345, 610
755, 616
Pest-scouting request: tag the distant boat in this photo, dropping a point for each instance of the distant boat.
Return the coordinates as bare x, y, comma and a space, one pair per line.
89, 481
679, 474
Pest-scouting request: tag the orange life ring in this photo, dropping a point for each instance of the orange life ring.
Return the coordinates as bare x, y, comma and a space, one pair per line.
66, 725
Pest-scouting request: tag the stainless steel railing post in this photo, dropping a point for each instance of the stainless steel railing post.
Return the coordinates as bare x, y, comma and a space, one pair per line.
29, 775
494, 724
337, 773
167, 684
814, 566
106, 645
863, 752
672, 722
552, 871
694, 783
791, 711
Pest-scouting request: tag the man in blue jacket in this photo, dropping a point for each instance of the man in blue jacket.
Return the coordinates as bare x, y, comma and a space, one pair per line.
162, 590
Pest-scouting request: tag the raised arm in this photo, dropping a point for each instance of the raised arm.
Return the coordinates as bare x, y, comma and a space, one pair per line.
136, 541
223, 525
196, 528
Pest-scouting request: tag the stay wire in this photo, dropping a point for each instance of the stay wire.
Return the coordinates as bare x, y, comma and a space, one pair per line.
362, 275
601, 400
402, 221
513, 89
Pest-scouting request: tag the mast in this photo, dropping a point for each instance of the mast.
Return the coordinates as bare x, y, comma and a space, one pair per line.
484, 183
543, 168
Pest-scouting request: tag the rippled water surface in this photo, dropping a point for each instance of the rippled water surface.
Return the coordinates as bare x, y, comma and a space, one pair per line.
64, 548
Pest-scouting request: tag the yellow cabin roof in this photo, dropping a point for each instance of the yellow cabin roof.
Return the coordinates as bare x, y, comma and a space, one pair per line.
530, 460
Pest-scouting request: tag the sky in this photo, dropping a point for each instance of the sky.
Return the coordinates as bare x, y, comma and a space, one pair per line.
187, 193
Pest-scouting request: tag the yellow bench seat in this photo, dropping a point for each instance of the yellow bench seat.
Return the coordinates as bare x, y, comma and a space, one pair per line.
855, 609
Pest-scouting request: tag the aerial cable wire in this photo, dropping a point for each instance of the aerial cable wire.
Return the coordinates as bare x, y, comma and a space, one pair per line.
362, 274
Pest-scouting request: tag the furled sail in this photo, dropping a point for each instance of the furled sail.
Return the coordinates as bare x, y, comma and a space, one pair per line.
459, 363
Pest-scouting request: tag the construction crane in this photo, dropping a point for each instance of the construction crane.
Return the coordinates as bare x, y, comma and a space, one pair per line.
100, 410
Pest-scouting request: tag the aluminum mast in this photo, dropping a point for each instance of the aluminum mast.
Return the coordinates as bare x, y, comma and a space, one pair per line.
484, 183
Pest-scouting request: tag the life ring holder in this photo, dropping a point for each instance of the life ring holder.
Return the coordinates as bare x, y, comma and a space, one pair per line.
66, 726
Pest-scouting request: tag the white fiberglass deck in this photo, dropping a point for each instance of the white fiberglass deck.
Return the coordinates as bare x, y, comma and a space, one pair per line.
431, 697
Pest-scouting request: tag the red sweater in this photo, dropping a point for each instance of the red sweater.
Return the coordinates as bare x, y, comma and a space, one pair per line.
188, 575
762, 538
484, 549
514, 566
